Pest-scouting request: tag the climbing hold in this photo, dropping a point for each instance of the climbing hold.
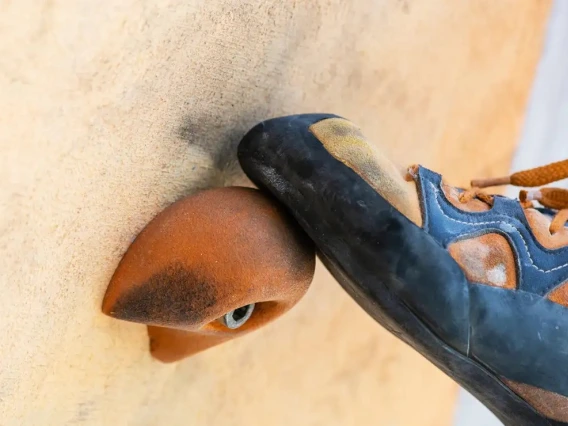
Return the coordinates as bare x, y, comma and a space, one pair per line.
209, 268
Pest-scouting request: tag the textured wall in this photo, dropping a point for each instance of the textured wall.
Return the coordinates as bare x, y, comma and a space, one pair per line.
112, 110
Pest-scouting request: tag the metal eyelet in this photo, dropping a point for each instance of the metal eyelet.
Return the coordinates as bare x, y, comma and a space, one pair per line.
236, 318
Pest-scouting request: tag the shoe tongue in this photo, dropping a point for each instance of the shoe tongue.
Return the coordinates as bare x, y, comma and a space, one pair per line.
539, 220
548, 214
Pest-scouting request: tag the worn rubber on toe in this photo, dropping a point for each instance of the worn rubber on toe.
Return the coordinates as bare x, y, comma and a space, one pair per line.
375, 252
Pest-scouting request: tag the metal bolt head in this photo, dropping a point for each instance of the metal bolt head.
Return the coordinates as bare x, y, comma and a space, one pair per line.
237, 317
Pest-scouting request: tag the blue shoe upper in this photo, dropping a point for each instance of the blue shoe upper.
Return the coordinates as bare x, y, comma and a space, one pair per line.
540, 270
518, 334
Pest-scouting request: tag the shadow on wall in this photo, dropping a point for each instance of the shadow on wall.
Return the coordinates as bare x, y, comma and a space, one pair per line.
234, 92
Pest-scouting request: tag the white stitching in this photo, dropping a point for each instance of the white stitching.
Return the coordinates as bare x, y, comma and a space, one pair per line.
437, 193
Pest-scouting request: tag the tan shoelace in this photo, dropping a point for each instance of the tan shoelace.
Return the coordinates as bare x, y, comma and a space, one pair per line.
552, 198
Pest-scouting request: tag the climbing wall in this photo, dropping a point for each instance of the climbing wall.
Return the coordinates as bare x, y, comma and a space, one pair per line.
113, 110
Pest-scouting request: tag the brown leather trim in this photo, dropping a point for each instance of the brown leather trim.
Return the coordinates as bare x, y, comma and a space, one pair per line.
559, 294
452, 195
487, 259
549, 404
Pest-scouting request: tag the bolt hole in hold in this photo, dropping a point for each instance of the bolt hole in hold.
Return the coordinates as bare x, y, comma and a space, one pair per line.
237, 317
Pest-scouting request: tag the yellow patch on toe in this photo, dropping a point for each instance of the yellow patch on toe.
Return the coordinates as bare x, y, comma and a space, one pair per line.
345, 142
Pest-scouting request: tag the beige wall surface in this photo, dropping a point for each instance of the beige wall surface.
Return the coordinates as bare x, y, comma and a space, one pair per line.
112, 110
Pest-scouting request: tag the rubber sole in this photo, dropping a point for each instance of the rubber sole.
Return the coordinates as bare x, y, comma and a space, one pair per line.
370, 248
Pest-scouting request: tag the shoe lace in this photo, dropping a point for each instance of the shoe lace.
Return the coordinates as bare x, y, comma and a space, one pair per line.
552, 198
